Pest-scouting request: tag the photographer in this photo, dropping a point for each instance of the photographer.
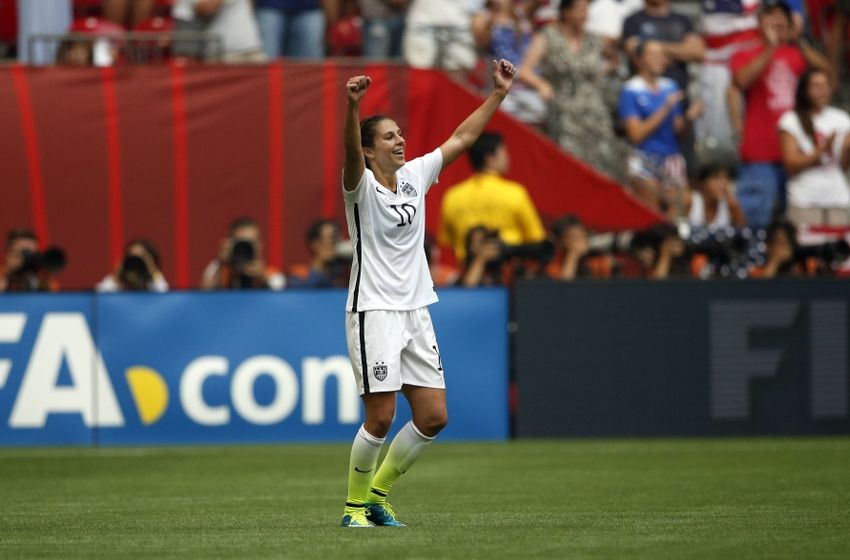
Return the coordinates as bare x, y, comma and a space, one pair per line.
328, 268
138, 271
574, 257
781, 246
240, 263
26, 269
657, 253
483, 265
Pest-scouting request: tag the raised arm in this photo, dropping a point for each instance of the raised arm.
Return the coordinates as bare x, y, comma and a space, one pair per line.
355, 165
471, 128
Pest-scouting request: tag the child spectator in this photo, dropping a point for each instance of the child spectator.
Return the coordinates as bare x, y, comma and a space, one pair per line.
650, 109
713, 205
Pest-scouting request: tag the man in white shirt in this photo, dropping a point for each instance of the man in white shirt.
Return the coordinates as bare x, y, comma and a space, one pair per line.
391, 341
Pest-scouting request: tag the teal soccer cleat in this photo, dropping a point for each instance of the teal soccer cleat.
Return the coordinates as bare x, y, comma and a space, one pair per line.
382, 515
356, 520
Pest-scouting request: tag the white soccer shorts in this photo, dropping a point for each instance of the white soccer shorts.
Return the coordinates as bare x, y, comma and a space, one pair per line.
389, 349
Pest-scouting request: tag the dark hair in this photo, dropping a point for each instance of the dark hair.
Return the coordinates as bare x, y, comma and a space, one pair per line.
315, 229
565, 5
242, 222
641, 46
486, 145
148, 246
486, 232
708, 170
803, 105
367, 132
779, 225
20, 233
566, 222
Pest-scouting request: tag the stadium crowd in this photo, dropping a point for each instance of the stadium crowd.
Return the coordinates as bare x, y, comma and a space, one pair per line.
725, 116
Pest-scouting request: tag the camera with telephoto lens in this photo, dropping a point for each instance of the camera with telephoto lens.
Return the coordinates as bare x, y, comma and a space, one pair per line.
135, 274
832, 253
36, 269
242, 254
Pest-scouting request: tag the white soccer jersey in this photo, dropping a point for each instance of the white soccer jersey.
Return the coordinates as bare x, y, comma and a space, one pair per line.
387, 229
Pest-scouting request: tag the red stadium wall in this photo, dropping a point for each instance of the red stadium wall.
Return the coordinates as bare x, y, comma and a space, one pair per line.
91, 158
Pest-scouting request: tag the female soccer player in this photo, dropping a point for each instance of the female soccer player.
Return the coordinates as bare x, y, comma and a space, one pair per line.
391, 340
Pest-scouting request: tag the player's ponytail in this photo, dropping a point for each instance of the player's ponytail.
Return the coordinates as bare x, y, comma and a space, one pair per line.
368, 129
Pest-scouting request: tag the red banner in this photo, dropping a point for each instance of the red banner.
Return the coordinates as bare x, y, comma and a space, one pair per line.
92, 158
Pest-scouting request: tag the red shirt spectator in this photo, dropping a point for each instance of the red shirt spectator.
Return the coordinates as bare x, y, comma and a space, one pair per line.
768, 97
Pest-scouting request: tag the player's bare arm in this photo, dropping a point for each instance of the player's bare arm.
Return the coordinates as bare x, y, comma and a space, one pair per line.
470, 129
355, 89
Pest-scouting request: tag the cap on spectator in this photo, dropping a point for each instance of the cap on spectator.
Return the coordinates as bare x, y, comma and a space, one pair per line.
768, 5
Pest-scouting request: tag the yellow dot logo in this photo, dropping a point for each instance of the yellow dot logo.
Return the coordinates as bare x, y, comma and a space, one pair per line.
149, 391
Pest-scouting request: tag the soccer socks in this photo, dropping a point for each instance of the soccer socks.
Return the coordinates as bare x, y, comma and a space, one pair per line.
406, 447
361, 468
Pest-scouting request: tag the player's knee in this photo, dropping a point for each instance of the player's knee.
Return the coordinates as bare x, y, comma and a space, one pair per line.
434, 422
379, 424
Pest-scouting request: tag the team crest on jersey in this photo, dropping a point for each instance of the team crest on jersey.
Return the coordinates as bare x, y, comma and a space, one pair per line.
379, 370
407, 189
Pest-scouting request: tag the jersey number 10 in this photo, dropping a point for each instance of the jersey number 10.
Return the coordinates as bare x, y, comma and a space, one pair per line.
405, 212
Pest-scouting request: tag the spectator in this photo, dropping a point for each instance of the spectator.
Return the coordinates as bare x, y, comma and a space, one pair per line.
41, 17
75, 53
327, 268
572, 69
138, 270
231, 20
345, 35
781, 241
650, 109
128, 13
768, 74
660, 253
383, 27
675, 34
815, 142
240, 262
605, 18
438, 35
504, 30
573, 256
26, 269
713, 205
727, 28
483, 263
837, 37
295, 28
681, 44
489, 200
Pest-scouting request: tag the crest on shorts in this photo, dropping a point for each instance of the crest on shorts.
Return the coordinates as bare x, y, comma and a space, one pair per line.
379, 370
407, 189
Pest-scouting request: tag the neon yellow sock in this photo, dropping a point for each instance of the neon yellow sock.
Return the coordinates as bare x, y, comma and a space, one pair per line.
407, 446
361, 468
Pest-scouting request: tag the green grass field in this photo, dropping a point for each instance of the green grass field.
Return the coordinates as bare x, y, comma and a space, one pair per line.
719, 498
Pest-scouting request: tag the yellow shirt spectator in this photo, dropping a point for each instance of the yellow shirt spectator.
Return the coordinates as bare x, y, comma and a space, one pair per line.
487, 199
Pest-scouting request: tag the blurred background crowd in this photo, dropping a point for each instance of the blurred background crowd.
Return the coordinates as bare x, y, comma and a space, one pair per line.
727, 117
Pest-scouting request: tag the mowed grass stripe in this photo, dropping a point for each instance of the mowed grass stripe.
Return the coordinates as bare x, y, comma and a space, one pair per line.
697, 498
